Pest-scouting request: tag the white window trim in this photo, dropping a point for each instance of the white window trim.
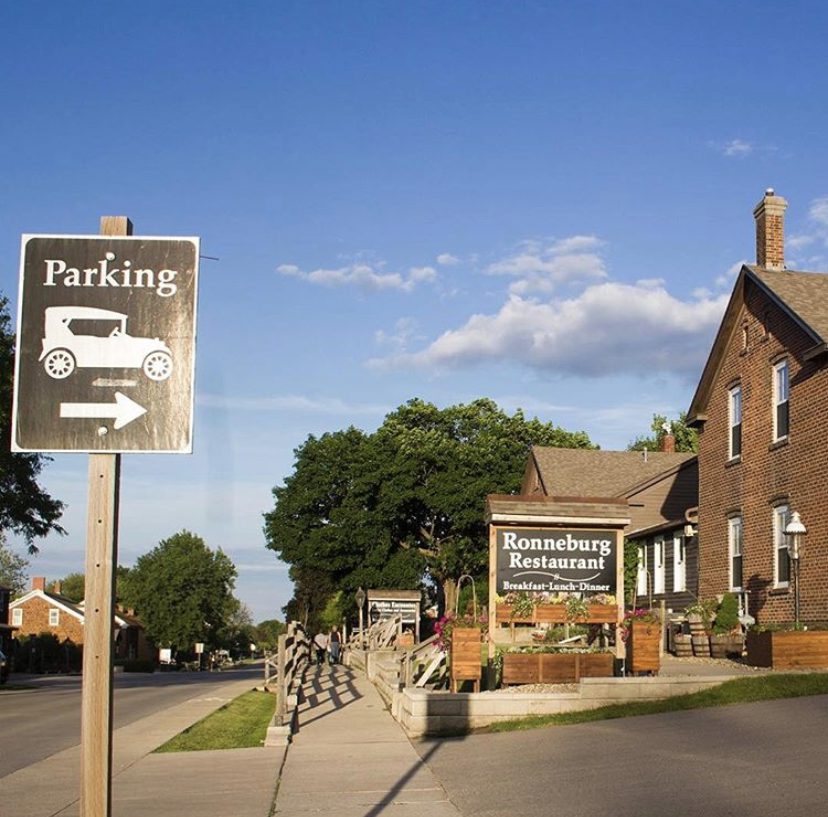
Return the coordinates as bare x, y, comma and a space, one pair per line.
17, 617
780, 541
658, 566
782, 364
679, 564
733, 523
731, 424
54, 617
641, 577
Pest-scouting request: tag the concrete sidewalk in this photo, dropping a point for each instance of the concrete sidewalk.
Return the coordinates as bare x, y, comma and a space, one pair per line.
350, 758
231, 783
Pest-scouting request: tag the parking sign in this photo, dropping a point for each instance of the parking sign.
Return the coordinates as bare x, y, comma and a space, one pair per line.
106, 331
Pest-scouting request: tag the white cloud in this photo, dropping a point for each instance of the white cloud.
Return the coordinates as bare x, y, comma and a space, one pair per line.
814, 237
737, 148
541, 267
725, 281
399, 340
610, 328
446, 259
364, 276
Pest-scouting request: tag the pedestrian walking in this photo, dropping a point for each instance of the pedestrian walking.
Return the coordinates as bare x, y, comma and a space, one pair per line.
320, 644
334, 645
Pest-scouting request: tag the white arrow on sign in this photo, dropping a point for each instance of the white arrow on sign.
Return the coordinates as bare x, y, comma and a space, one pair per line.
123, 410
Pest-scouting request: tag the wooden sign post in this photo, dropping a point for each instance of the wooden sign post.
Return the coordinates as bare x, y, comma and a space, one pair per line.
99, 610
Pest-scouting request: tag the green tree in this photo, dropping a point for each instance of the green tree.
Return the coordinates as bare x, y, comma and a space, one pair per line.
25, 508
386, 509
13, 569
182, 592
267, 632
237, 633
71, 586
687, 439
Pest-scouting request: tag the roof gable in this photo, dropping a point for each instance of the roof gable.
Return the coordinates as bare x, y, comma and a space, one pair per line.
52, 599
801, 296
579, 472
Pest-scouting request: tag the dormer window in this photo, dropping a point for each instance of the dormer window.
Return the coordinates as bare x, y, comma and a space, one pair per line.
780, 400
734, 402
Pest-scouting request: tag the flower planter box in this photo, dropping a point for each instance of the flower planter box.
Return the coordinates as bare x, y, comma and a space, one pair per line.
555, 668
644, 647
556, 614
788, 650
465, 656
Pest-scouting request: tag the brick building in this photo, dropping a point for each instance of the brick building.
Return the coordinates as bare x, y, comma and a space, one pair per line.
660, 489
762, 438
40, 611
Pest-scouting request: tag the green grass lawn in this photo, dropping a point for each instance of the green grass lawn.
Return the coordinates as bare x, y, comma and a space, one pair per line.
738, 691
238, 725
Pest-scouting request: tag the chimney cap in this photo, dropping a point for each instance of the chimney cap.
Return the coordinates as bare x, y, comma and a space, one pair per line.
769, 192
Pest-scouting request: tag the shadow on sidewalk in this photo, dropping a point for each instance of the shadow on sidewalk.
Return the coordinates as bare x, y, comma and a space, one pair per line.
325, 690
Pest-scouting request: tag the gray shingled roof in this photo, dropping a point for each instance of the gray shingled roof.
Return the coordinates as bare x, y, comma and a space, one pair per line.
581, 472
805, 294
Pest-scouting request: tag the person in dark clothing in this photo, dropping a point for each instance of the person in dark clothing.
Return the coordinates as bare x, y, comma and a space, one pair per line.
334, 645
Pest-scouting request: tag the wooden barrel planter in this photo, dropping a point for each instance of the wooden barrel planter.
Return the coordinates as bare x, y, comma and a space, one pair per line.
701, 644
683, 645
719, 645
555, 668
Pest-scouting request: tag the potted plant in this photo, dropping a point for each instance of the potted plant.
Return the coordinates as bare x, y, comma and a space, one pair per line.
727, 636
700, 615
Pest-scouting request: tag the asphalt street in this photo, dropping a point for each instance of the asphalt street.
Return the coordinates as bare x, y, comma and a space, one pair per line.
736, 761
46, 720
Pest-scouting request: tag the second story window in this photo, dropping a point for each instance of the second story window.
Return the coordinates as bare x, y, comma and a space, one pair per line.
734, 399
780, 400
17, 617
54, 617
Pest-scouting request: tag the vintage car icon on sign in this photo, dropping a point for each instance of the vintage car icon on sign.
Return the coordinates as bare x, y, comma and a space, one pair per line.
88, 337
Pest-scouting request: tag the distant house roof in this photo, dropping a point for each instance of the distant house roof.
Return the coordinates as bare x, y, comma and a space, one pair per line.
74, 608
579, 472
803, 296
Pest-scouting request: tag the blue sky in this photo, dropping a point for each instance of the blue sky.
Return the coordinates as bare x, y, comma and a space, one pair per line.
543, 203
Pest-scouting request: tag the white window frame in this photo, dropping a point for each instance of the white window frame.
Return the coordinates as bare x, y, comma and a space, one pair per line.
780, 543
734, 420
735, 548
641, 577
54, 617
17, 617
658, 566
781, 395
679, 563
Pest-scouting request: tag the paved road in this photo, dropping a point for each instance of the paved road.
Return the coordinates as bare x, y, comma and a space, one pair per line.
46, 720
738, 761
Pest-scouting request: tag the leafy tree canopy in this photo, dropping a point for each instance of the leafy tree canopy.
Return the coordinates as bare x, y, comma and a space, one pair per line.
385, 509
13, 569
687, 439
267, 634
182, 592
71, 586
25, 508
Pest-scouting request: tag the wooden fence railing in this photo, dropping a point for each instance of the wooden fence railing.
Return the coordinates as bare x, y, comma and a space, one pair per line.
292, 658
423, 664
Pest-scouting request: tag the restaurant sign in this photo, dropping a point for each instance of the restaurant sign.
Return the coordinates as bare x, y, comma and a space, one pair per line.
546, 560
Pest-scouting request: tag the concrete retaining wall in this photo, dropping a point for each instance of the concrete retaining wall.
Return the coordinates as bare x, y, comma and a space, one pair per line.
422, 712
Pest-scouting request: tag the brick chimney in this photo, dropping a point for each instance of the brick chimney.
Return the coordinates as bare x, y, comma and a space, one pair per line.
56, 588
39, 583
668, 444
770, 231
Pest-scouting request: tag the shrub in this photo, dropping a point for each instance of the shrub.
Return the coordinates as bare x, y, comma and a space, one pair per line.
727, 615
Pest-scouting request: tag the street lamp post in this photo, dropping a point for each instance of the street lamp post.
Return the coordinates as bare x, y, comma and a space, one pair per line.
795, 529
359, 598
